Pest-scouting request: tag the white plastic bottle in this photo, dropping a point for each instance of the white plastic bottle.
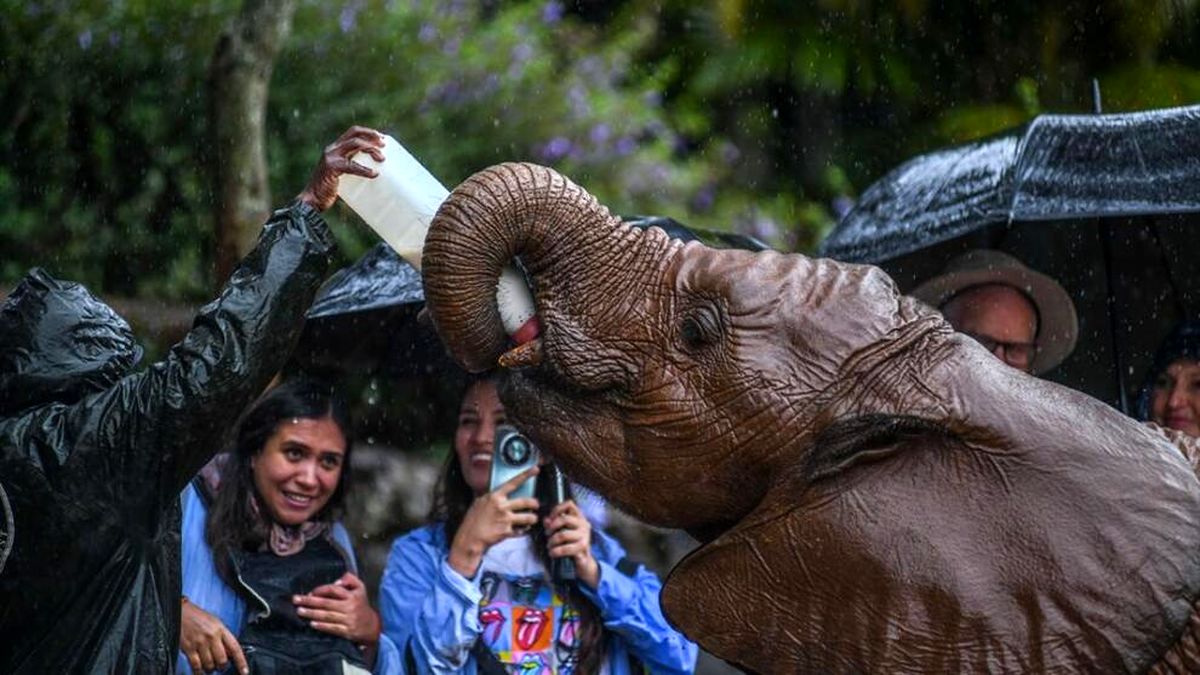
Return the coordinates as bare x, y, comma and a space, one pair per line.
399, 205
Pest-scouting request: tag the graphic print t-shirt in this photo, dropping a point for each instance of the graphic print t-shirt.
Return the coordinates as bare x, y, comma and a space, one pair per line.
525, 623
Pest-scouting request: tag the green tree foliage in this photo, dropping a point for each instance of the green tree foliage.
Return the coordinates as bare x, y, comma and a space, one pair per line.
727, 114
821, 98
104, 177
100, 142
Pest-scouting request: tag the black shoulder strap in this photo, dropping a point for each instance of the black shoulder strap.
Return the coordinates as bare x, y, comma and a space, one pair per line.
486, 662
410, 662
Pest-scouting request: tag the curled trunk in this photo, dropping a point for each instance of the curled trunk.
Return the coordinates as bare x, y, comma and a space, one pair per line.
506, 211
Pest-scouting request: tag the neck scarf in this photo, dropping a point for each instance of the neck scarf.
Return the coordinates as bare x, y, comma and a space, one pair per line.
284, 540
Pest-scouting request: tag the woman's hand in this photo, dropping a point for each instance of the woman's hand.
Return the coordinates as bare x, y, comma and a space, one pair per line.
572, 538
341, 609
207, 643
492, 518
322, 188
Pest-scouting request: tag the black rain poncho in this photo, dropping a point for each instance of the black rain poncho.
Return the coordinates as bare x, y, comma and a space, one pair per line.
93, 457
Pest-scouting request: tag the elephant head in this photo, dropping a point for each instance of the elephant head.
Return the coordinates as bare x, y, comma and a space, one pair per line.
874, 492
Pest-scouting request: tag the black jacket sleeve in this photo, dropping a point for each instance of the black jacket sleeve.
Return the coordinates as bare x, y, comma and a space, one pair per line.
154, 429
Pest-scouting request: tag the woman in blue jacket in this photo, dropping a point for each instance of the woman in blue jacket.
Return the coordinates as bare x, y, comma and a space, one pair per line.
469, 593
269, 576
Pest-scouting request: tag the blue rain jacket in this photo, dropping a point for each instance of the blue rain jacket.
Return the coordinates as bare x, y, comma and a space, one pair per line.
434, 611
204, 587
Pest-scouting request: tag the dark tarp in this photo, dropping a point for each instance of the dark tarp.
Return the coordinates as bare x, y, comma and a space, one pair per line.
93, 456
1105, 204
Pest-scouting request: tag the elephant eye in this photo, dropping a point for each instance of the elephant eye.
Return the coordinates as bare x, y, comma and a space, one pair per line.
700, 327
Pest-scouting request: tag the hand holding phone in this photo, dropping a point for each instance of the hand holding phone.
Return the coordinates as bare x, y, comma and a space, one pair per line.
493, 517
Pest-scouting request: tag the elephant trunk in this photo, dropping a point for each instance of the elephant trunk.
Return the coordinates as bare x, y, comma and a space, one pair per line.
506, 211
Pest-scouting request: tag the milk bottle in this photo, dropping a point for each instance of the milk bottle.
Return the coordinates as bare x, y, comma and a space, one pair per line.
400, 203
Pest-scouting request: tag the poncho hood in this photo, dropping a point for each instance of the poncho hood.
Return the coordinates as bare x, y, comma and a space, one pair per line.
58, 343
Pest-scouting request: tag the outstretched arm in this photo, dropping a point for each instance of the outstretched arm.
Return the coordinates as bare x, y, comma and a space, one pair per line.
153, 430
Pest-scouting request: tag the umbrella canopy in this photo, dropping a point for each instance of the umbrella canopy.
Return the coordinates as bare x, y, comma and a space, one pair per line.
365, 318
1057, 167
1103, 203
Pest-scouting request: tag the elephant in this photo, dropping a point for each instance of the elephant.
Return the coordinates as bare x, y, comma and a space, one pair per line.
872, 491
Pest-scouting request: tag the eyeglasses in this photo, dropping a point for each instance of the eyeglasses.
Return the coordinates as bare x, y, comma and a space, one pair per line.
1016, 354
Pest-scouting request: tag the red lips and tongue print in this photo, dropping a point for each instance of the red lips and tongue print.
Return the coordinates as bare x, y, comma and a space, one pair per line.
526, 625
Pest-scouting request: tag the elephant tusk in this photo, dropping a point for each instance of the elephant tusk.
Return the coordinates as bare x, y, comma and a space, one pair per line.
525, 355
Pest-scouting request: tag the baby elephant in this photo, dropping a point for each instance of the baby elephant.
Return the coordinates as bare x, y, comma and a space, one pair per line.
874, 492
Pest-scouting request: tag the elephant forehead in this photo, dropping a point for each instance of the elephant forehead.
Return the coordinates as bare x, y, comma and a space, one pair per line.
792, 313
749, 279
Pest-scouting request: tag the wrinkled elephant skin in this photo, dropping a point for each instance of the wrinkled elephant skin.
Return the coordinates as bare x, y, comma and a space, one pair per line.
874, 492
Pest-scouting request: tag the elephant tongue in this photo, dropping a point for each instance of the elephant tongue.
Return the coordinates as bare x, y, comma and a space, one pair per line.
529, 330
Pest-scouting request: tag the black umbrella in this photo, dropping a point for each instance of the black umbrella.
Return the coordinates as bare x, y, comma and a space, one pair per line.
365, 318
1104, 203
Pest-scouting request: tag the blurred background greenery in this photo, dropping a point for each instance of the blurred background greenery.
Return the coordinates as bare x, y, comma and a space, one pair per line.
765, 118
761, 117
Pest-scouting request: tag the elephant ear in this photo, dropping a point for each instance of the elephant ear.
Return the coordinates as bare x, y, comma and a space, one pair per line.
919, 553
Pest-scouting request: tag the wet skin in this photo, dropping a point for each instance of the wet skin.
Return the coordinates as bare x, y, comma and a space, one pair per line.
873, 492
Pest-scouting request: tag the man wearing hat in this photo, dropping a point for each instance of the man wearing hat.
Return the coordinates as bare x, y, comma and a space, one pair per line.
1023, 317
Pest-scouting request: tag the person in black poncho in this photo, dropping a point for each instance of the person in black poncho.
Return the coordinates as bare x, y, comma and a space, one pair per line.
93, 455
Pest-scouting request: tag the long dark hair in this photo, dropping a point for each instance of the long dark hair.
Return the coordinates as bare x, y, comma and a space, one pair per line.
452, 498
231, 523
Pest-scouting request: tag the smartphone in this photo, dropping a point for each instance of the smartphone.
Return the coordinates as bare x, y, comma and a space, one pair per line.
512, 453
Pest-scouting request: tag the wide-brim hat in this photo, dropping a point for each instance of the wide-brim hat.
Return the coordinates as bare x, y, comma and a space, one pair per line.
1058, 326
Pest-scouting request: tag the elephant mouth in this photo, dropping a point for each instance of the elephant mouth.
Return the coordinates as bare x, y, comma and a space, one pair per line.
527, 354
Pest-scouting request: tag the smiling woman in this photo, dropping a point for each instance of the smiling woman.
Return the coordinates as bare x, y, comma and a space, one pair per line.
476, 592
299, 469
268, 571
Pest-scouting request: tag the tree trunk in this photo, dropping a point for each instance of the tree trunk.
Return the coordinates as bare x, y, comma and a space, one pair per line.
239, 83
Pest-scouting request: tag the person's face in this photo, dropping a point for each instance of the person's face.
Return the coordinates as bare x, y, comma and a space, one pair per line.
298, 469
1176, 402
1000, 318
478, 416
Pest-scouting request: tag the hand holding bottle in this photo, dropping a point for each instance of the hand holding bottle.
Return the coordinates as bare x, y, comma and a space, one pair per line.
322, 189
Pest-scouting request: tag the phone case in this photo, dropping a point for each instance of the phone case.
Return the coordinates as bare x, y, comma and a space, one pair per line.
504, 470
